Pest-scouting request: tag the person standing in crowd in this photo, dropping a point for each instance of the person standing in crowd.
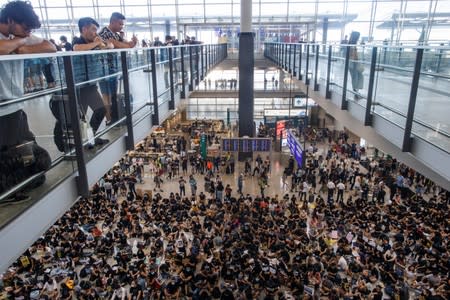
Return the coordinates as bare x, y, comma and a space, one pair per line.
88, 94
17, 22
193, 184
331, 187
157, 42
182, 186
108, 87
340, 194
66, 45
240, 183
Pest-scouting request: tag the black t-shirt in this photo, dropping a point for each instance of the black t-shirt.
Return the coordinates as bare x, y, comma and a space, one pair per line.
68, 46
80, 41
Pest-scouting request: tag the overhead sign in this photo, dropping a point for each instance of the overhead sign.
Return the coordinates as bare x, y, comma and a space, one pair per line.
300, 101
284, 112
246, 145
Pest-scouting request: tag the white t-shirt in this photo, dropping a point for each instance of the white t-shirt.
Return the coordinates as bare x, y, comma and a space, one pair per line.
342, 263
11, 85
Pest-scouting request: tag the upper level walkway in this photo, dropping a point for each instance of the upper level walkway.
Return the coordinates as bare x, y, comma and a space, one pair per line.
401, 94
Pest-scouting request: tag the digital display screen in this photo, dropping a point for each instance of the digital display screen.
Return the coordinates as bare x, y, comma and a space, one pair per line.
231, 145
262, 145
295, 147
246, 145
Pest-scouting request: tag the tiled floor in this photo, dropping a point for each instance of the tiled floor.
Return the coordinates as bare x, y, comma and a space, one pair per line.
278, 161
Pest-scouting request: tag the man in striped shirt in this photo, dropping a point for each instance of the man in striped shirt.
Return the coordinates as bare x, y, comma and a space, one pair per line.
108, 87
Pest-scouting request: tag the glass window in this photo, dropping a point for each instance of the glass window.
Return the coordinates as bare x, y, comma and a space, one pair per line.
163, 11
135, 11
301, 9
105, 12
212, 10
274, 9
183, 2
191, 11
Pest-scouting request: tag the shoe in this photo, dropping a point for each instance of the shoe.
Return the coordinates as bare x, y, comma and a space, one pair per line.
17, 198
89, 146
100, 141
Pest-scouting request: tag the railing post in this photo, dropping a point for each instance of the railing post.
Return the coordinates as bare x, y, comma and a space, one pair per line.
307, 65
290, 55
206, 60
202, 73
129, 141
300, 62
82, 178
191, 70
155, 117
407, 139
197, 66
183, 81
294, 72
172, 84
327, 89
316, 70
373, 64
344, 102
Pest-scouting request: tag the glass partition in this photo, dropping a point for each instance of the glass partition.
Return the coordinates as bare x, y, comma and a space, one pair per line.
177, 71
140, 81
36, 133
48, 113
393, 78
433, 125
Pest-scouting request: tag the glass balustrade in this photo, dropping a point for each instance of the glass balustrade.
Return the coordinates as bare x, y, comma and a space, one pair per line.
59, 111
392, 79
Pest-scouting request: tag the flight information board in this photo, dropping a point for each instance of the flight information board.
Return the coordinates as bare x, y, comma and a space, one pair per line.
231, 145
247, 145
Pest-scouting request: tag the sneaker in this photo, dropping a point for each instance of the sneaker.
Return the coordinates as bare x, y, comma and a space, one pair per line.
100, 141
17, 198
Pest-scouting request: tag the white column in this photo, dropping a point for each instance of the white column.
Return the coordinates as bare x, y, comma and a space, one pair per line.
246, 15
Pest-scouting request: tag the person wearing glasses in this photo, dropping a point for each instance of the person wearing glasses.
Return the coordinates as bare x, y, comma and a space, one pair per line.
21, 155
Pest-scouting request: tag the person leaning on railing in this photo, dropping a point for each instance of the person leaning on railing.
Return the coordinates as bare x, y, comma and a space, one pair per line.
90, 67
20, 155
113, 33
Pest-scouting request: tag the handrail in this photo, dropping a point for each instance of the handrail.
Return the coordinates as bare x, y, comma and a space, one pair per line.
418, 121
89, 52
438, 75
403, 47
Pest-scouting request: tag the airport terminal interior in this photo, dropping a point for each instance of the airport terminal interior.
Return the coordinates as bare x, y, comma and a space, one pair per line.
192, 149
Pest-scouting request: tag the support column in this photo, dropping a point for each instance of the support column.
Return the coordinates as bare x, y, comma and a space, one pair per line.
407, 139
246, 66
